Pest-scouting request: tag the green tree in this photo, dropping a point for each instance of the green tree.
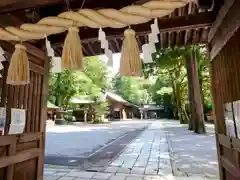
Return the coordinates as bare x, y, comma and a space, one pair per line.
170, 68
170, 63
133, 89
195, 62
62, 87
67, 84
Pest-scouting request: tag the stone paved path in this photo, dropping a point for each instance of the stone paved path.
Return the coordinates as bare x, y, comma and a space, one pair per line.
145, 158
191, 153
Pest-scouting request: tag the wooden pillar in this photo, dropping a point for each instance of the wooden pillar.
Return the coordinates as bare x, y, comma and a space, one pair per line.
124, 115
195, 96
85, 115
42, 129
224, 47
199, 126
141, 113
217, 108
192, 110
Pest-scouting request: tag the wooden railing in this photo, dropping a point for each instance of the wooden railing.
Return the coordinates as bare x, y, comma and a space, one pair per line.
13, 155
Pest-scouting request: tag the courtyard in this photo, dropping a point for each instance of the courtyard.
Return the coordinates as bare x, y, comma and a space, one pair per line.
129, 150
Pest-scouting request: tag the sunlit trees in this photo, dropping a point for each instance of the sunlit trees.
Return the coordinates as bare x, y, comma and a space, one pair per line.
171, 66
133, 89
178, 79
90, 82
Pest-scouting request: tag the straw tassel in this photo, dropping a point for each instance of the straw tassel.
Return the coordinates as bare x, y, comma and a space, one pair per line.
130, 62
18, 71
72, 56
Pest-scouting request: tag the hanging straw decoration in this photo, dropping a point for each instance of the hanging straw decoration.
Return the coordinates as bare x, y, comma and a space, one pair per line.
18, 71
130, 62
72, 56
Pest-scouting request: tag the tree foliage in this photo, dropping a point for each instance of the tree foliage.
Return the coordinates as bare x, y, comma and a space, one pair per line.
91, 81
165, 82
133, 89
171, 85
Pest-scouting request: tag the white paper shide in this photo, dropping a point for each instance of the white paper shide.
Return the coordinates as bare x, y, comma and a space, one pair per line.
56, 65
18, 121
2, 119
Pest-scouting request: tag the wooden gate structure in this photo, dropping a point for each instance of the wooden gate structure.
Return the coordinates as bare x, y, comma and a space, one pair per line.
224, 45
215, 23
22, 154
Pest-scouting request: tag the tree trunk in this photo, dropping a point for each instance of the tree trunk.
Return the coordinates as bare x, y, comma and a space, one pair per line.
174, 97
179, 104
58, 101
190, 94
199, 126
178, 98
201, 90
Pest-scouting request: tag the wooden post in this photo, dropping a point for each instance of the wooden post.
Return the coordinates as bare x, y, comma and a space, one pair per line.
10, 169
190, 94
42, 130
85, 116
124, 116
141, 113
199, 126
195, 96
216, 105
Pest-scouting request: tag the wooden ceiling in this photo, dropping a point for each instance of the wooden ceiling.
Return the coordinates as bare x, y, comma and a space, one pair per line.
185, 26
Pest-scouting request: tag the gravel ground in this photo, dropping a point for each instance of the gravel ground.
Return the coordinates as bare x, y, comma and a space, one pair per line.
83, 140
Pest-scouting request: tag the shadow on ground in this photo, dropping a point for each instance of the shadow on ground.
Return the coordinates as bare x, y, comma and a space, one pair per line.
191, 153
82, 146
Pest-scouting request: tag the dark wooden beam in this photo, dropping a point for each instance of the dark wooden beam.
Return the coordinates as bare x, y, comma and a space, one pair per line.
178, 38
7, 6
204, 36
169, 38
226, 28
186, 38
111, 47
12, 5
90, 48
182, 33
161, 40
196, 36
58, 52
10, 20
165, 40
146, 38
220, 17
205, 4
84, 49
139, 42
117, 45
